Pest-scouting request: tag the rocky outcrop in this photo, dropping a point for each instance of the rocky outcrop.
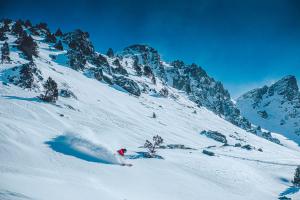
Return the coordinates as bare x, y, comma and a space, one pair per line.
128, 85
215, 135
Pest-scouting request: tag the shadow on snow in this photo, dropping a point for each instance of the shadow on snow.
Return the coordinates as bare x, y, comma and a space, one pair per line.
33, 99
289, 191
81, 149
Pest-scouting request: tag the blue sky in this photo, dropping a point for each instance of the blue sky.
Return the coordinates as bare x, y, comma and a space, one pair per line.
244, 44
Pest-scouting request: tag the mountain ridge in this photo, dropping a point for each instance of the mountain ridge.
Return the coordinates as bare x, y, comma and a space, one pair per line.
275, 107
142, 61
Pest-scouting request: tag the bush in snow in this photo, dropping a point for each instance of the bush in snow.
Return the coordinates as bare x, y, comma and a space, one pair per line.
215, 135
51, 91
110, 53
28, 46
59, 46
296, 180
152, 146
5, 53
153, 115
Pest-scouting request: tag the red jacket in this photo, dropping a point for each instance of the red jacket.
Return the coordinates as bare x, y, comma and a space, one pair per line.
121, 152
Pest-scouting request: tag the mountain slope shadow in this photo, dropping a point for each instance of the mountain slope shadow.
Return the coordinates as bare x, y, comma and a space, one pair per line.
290, 190
35, 99
81, 149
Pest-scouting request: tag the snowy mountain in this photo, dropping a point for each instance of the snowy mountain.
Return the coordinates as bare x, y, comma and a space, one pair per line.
275, 107
59, 135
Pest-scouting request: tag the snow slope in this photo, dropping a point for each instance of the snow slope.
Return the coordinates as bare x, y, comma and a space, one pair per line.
88, 130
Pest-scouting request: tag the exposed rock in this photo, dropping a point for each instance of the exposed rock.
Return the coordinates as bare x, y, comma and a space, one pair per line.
215, 135
209, 153
247, 147
128, 85
67, 93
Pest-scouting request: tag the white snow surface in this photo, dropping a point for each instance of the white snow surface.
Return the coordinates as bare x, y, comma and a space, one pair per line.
103, 120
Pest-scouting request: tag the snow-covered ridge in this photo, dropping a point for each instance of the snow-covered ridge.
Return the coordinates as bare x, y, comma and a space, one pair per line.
275, 107
66, 150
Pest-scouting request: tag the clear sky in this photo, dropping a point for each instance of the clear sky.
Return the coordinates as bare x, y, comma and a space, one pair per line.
243, 43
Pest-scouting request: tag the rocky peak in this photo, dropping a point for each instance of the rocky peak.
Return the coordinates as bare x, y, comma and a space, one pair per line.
276, 107
79, 40
287, 86
146, 55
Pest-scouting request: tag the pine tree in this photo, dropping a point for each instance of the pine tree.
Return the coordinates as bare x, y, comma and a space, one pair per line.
5, 53
28, 46
59, 46
43, 25
17, 28
26, 75
2, 34
50, 38
296, 180
51, 91
110, 53
28, 23
6, 24
58, 33
77, 60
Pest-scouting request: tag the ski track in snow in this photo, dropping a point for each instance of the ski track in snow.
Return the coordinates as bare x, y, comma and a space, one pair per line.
259, 161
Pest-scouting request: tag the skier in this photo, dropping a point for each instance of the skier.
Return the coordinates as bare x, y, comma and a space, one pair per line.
122, 152
120, 156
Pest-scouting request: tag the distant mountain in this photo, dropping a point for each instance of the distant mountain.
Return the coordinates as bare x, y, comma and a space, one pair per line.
275, 107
